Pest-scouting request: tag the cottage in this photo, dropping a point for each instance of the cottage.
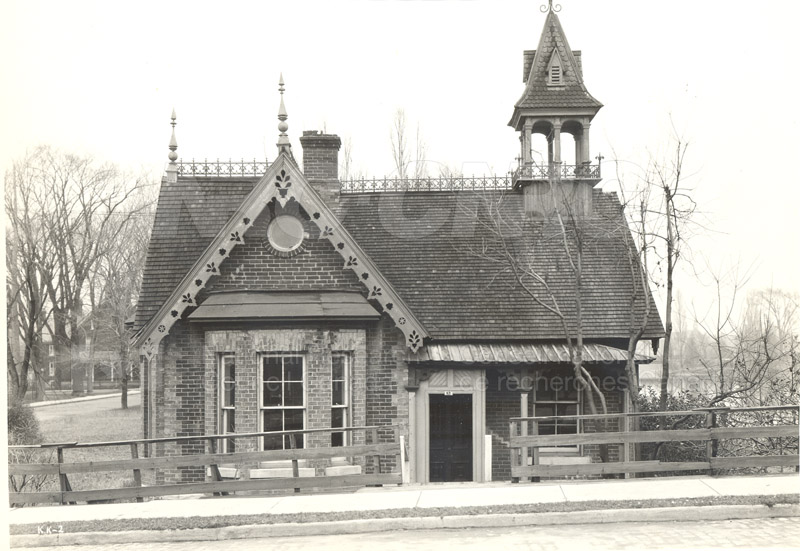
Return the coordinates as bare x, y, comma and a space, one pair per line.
277, 298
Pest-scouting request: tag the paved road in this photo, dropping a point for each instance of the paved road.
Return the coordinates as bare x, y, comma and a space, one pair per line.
47, 413
781, 533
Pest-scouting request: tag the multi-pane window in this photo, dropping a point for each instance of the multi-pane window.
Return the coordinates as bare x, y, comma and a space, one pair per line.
51, 369
51, 350
282, 399
227, 401
555, 397
340, 396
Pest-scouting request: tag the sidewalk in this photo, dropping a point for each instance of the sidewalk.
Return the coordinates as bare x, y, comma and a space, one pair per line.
419, 506
81, 399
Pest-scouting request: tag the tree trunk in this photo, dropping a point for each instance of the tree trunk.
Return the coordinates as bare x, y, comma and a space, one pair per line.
124, 386
668, 308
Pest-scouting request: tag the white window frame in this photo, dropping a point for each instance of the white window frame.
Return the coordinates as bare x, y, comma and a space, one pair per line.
578, 402
51, 369
262, 409
51, 350
345, 406
226, 445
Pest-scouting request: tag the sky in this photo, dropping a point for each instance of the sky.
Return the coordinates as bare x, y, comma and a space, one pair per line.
101, 78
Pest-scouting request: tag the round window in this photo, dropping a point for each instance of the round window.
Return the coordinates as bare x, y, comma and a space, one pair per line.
285, 233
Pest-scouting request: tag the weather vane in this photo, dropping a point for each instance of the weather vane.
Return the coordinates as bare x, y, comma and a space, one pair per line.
550, 7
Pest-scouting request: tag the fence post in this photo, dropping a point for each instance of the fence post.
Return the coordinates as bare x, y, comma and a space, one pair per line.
535, 450
711, 445
377, 458
62, 477
523, 429
214, 467
295, 465
137, 473
514, 459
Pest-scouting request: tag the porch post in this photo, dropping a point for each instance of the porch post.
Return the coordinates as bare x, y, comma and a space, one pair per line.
523, 406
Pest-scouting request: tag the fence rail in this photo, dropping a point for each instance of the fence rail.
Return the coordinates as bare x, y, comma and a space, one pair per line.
558, 171
212, 460
526, 441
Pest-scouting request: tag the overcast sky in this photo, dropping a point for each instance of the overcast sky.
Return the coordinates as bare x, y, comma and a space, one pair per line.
101, 78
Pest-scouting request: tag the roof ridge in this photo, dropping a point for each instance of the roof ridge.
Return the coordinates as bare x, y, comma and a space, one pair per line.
282, 182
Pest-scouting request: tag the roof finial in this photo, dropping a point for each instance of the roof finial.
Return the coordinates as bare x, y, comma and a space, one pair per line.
173, 143
284, 145
550, 7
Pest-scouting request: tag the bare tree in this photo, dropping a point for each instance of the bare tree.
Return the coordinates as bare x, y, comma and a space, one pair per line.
83, 208
420, 161
30, 259
745, 353
675, 211
346, 164
397, 136
504, 245
114, 285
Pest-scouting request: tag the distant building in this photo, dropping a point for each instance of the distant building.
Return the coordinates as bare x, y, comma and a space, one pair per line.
279, 298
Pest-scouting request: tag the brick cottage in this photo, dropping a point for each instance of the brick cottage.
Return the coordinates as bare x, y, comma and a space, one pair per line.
276, 298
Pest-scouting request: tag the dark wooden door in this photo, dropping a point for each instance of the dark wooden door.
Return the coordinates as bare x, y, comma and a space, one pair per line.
450, 438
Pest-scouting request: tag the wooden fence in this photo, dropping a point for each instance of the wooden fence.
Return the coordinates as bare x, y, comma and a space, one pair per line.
526, 442
211, 459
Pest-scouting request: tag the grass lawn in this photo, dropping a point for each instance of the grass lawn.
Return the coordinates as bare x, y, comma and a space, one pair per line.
113, 424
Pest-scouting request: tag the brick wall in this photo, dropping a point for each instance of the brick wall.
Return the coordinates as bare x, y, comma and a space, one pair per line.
253, 266
501, 403
321, 164
387, 377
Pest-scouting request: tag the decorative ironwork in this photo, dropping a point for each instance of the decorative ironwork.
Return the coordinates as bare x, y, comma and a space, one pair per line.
386, 185
222, 169
585, 171
550, 7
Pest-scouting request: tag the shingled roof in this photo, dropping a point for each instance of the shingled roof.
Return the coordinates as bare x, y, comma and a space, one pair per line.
425, 244
538, 94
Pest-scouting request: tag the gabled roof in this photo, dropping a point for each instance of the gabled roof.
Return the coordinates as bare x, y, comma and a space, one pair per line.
538, 94
170, 293
423, 245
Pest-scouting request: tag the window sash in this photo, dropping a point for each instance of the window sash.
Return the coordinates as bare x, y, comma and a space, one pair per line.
282, 399
227, 401
549, 401
340, 397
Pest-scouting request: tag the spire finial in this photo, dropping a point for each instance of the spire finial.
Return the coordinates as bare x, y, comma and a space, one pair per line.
550, 7
173, 143
283, 139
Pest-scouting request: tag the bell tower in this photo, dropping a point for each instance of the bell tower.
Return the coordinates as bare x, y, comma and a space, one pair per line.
555, 102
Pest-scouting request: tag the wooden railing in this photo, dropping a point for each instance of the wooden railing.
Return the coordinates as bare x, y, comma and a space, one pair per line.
526, 443
211, 459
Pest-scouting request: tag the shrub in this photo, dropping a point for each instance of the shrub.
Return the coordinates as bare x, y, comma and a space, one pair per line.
23, 429
673, 451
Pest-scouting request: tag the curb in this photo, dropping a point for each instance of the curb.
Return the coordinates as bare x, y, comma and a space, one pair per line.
81, 399
663, 514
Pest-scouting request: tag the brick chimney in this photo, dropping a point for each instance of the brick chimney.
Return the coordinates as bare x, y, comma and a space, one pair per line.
321, 163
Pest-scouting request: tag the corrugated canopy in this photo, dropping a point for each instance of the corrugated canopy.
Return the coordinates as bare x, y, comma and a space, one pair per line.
284, 305
526, 353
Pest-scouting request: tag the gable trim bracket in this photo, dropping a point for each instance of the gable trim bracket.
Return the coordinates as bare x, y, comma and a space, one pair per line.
283, 181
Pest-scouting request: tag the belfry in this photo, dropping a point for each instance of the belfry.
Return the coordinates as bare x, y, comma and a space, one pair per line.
555, 102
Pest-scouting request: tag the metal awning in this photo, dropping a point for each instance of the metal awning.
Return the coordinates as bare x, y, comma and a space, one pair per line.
284, 305
522, 353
